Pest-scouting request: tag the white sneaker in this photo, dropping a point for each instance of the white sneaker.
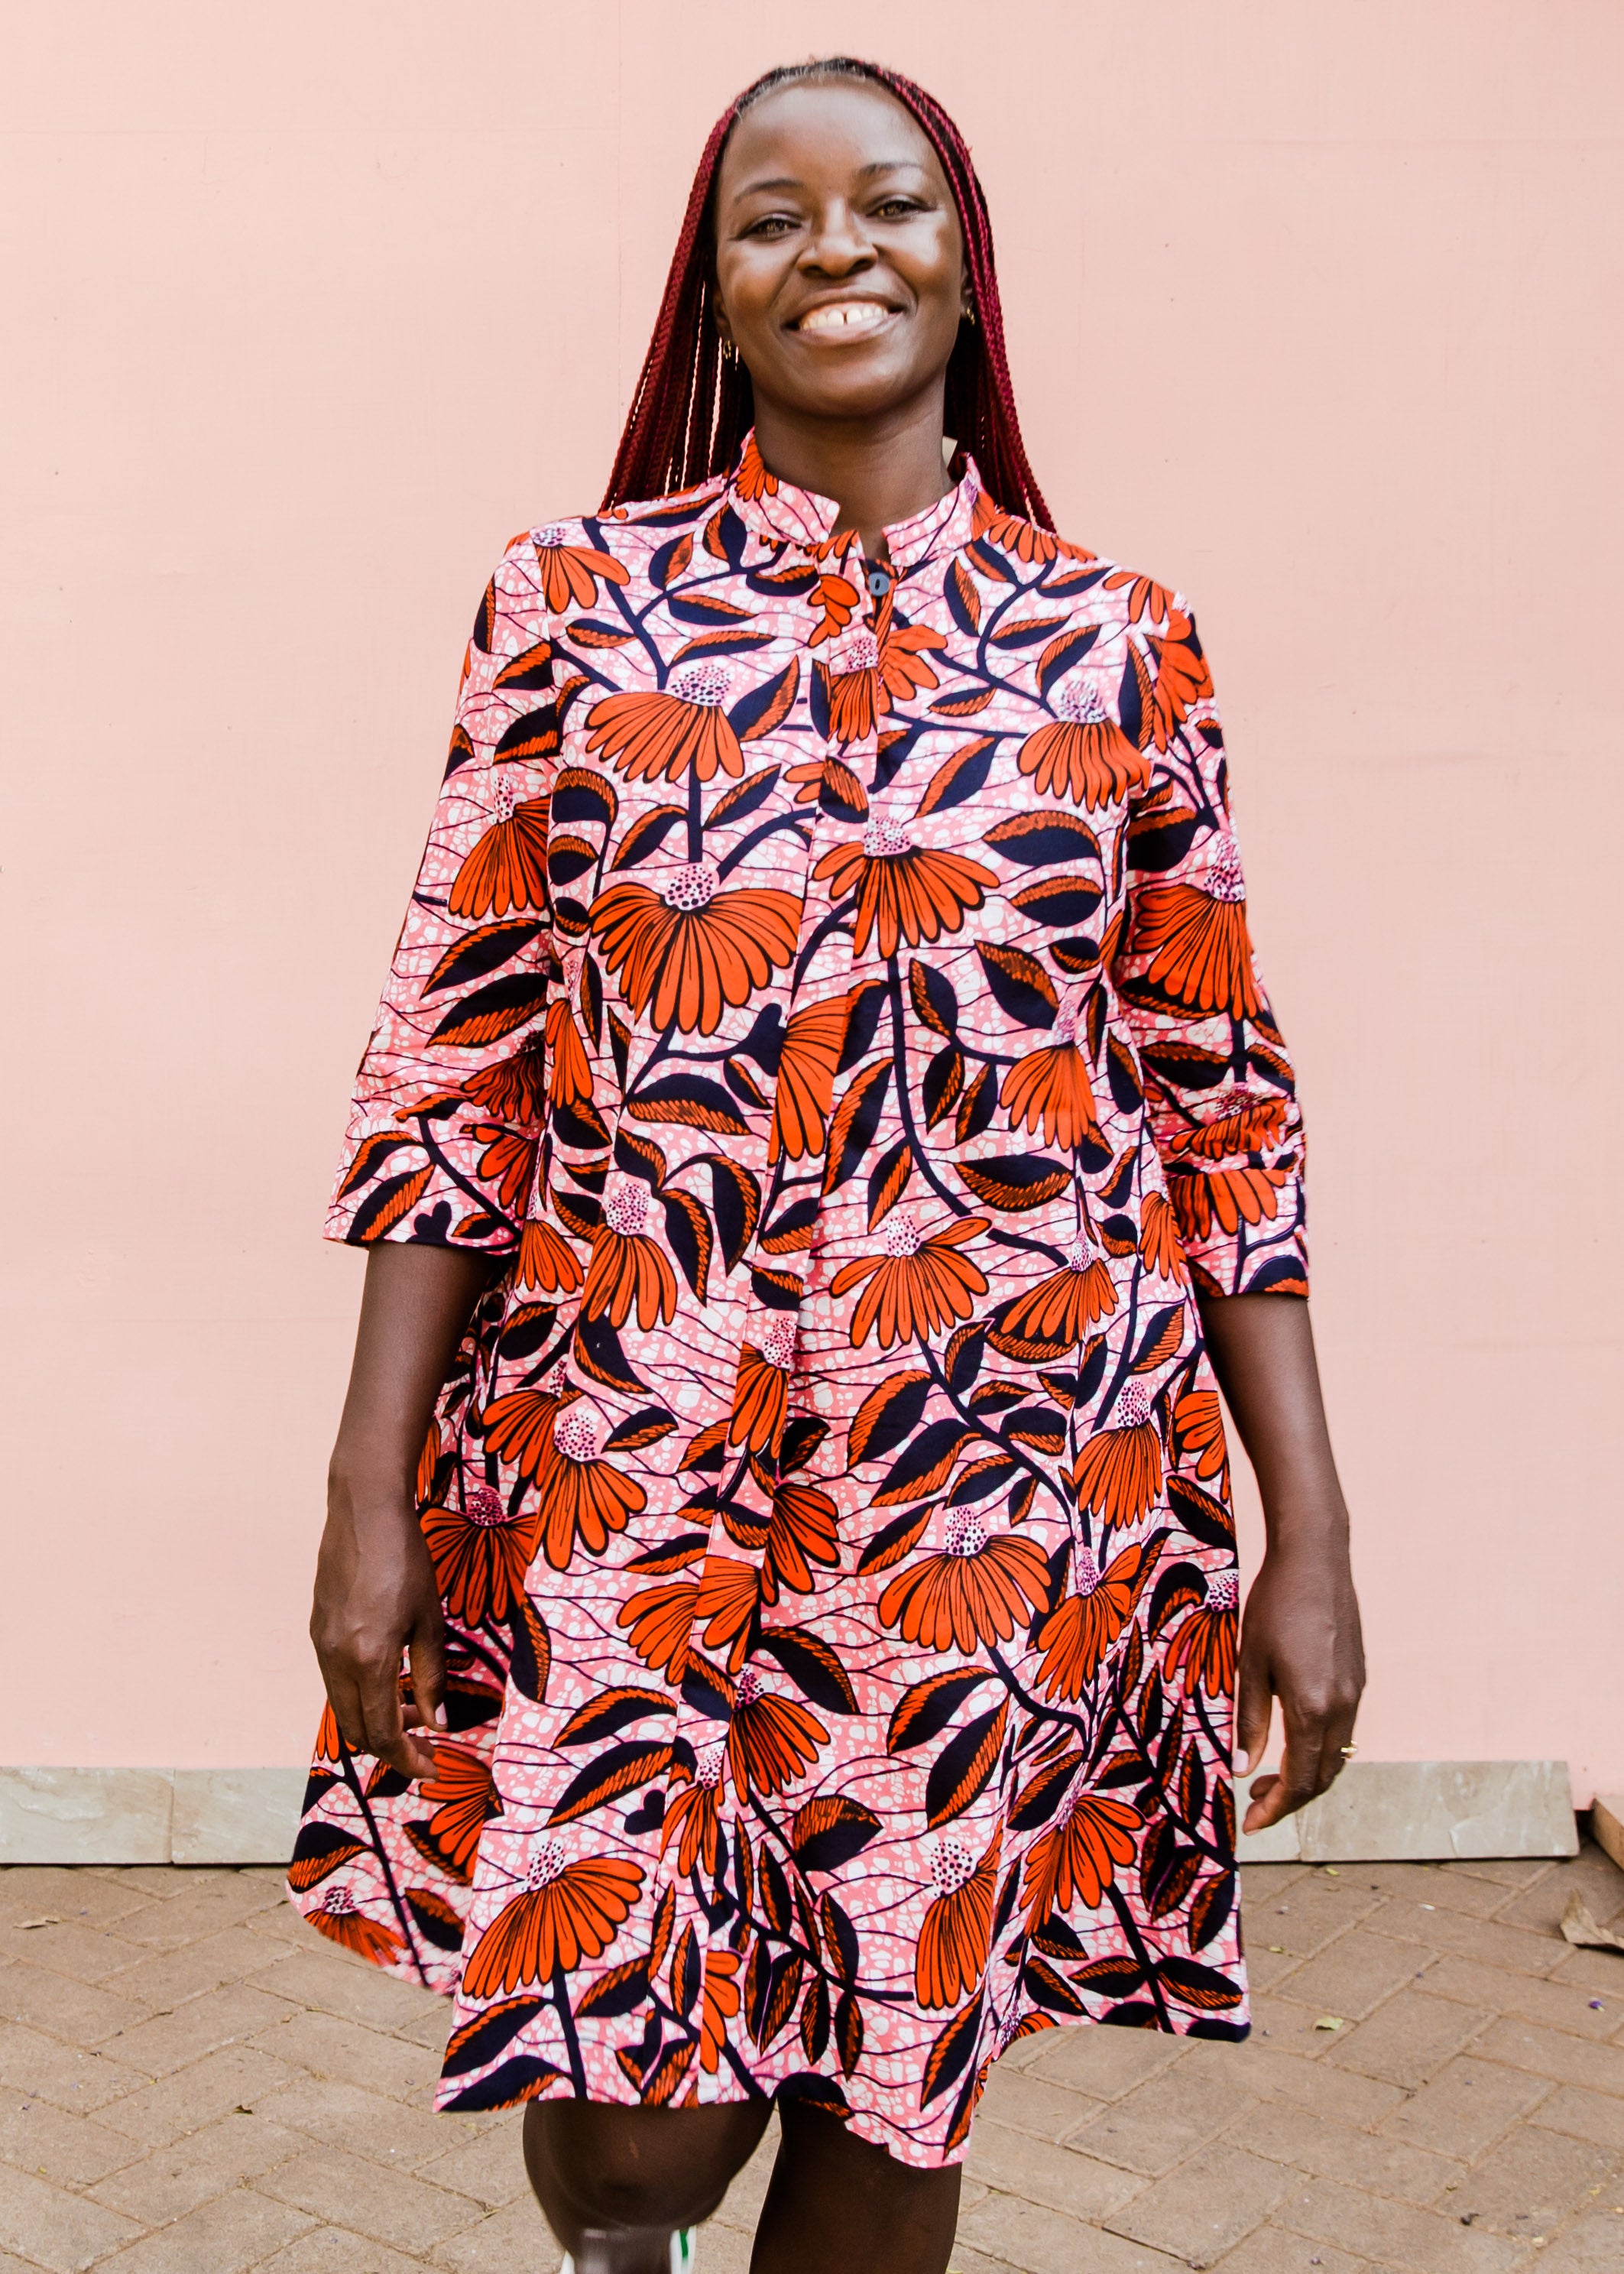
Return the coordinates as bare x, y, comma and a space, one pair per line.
681, 2253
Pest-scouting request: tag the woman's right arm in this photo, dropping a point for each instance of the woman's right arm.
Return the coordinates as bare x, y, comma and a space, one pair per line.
375, 1589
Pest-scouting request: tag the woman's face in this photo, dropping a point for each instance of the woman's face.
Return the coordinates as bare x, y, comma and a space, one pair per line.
839, 261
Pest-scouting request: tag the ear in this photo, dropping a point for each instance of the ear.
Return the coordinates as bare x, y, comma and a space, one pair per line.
723, 326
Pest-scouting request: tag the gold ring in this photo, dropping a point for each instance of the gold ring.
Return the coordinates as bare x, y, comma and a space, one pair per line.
1347, 1751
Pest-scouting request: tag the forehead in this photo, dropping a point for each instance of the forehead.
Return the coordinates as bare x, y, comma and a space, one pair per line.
821, 131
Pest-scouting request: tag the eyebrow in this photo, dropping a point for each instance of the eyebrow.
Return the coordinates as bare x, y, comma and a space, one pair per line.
864, 173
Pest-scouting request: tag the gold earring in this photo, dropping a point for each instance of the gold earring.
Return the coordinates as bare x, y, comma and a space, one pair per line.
729, 351
968, 315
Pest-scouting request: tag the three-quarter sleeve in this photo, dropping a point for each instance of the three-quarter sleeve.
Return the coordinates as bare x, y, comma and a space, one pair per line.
442, 1133
1220, 1086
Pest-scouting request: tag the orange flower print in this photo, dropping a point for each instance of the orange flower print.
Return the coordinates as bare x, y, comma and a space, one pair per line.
650, 735
628, 1270
1160, 1244
752, 480
1203, 1650
692, 1815
838, 603
571, 1079
508, 1163
545, 1263
337, 1917
904, 672
1080, 1856
761, 1390
804, 1531
721, 2003
508, 867
803, 1096
873, 673
1146, 598
1196, 937
1240, 1123
729, 1598
904, 892
950, 1956
569, 573
1198, 1432
1022, 539
1061, 1307
973, 1594
1075, 1637
1083, 755
1226, 1198
463, 1796
480, 1555
1182, 678
1050, 1090
511, 1089
518, 1428
580, 1496
661, 1620
1118, 1472
919, 1285
686, 954
567, 1912
770, 1741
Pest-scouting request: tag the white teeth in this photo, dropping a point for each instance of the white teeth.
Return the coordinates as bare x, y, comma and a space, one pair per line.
845, 315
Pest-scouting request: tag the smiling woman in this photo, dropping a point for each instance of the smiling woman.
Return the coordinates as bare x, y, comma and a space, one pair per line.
823, 1112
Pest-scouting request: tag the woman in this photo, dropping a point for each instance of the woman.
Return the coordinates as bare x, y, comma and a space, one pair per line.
823, 1113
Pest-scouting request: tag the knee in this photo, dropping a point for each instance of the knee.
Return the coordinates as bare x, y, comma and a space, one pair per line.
641, 2167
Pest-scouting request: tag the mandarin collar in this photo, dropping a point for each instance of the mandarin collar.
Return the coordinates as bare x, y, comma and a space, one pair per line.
783, 513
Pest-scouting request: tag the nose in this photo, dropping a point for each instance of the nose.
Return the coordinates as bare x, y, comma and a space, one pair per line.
838, 244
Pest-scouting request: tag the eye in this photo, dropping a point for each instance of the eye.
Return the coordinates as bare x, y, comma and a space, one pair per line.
898, 209
771, 225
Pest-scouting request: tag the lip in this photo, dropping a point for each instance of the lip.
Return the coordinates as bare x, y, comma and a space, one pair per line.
854, 316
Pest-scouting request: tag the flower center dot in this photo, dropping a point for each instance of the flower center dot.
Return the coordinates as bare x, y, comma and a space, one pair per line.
708, 1765
484, 1506
1082, 705
692, 886
951, 1865
627, 1208
966, 1535
859, 652
504, 798
1133, 1407
704, 683
748, 1688
883, 841
545, 1865
778, 1344
1224, 878
1079, 1256
576, 1438
901, 1237
553, 534
1087, 1571
1224, 1591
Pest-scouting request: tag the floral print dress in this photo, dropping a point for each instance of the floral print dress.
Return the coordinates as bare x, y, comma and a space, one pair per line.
827, 1000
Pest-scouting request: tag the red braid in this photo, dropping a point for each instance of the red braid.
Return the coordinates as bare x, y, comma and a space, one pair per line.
692, 409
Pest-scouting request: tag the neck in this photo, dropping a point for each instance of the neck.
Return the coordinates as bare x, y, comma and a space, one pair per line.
877, 471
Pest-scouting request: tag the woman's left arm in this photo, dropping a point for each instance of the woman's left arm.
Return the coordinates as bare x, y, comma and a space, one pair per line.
1300, 1638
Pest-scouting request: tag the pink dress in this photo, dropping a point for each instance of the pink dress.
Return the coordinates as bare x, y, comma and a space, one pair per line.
827, 998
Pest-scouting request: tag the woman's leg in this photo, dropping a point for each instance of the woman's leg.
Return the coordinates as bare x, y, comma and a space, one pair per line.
616, 2182
839, 2202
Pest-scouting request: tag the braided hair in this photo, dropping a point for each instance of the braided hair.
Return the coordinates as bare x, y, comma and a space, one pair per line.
693, 408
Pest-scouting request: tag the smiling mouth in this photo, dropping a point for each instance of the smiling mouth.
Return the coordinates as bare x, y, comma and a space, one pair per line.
844, 320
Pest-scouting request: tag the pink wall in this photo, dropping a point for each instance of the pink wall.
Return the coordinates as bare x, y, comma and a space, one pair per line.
1315, 312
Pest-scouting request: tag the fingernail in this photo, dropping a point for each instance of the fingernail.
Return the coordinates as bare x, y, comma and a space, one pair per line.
440, 1721
1245, 1765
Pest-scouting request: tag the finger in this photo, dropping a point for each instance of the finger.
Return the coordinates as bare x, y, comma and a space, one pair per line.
1338, 1743
1297, 1782
1259, 1816
427, 1655
1252, 1715
344, 1697
386, 1737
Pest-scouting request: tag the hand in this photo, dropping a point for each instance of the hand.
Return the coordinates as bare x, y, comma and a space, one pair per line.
1300, 1642
375, 1594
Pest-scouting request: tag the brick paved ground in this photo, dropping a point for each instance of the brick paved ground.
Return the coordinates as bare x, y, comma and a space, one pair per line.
190, 2083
